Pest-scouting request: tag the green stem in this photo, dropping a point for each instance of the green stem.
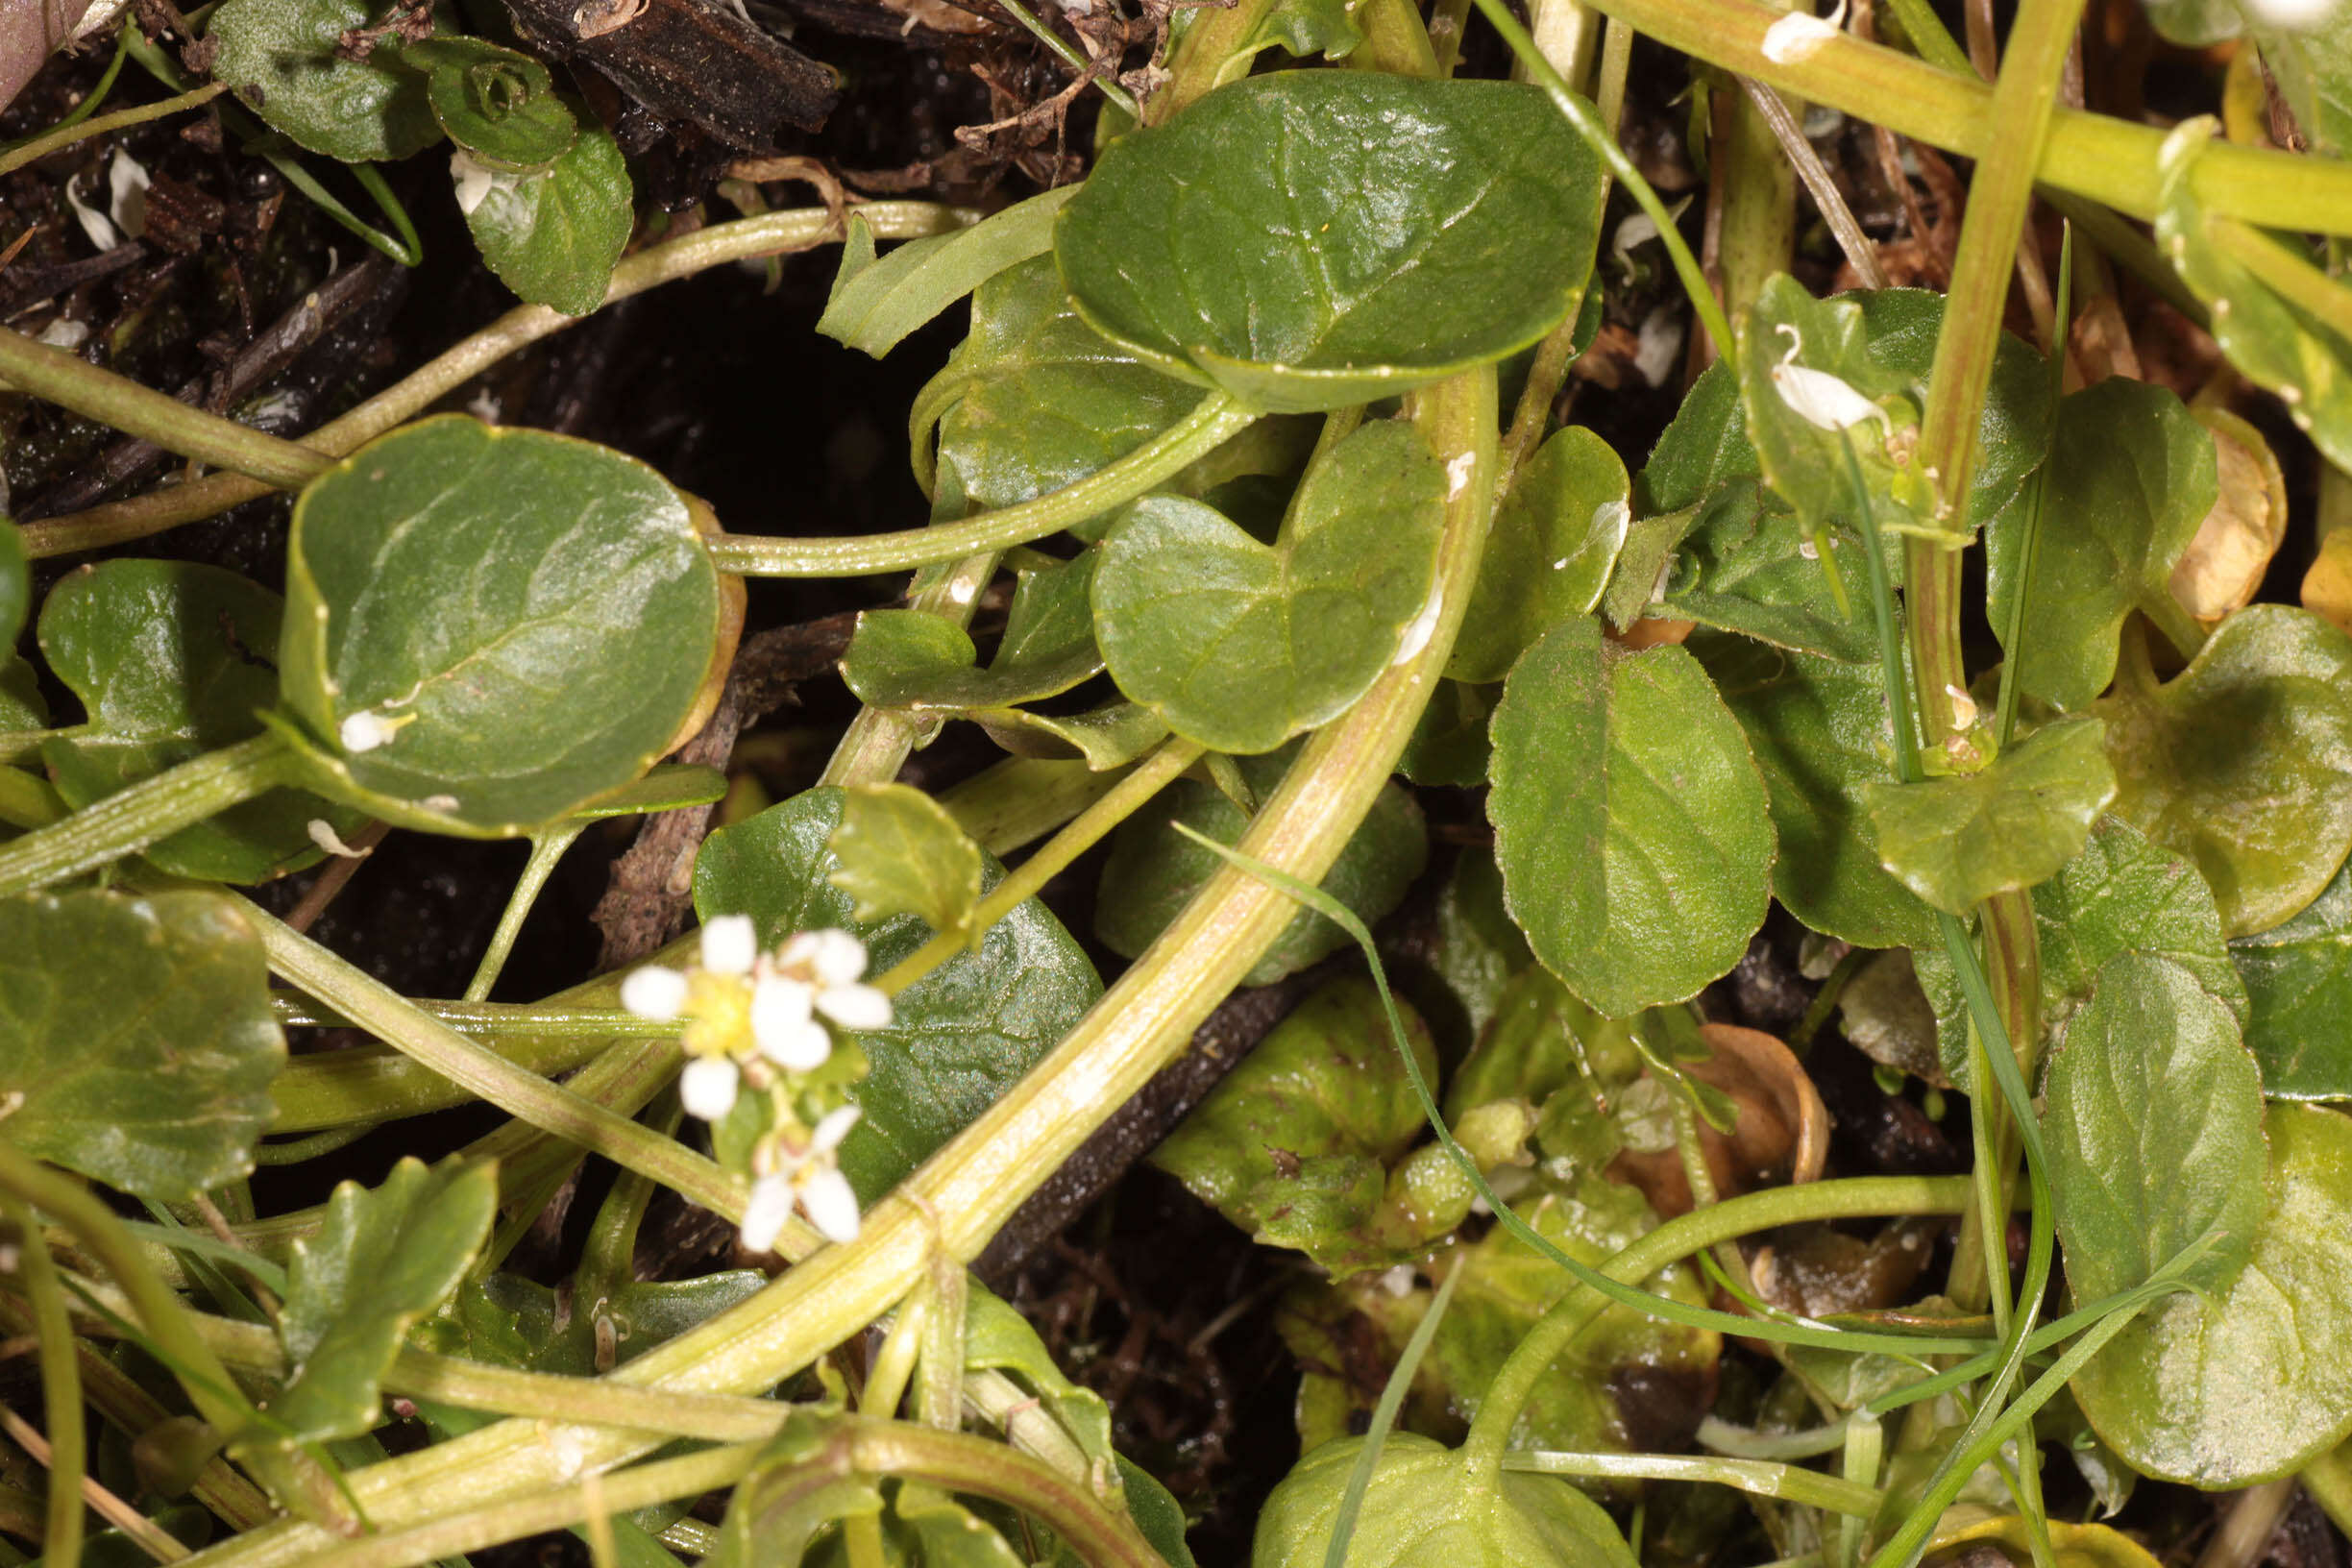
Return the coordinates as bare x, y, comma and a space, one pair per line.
1020, 799
60, 1387
1214, 420
484, 1074
2329, 1480
1790, 1482
128, 820
68, 135
547, 847
1129, 795
1069, 55
1208, 56
766, 234
875, 745
485, 1020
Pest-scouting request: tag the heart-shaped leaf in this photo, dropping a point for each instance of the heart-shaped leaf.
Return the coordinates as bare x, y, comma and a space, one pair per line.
1959, 839
1548, 557
2243, 763
1311, 239
900, 853
2299, 979
1239, 645
1153, 870
488, 629
2131, 476
1630, 822
139, 1034
383, 1259
284, 59
2153, 1121
963, 1034
2176, 1392
171, 659
552, 235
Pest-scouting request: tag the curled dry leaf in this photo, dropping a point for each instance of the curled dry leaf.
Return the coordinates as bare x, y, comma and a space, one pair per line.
2224, 564
1781, 1135
1815, 1269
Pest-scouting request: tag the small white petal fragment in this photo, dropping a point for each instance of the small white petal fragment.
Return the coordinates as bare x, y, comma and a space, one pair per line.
66, 334
832, 956
730, 945
127, 184
365, 731
707, 1087
654, 992
780, 1022
1419, 630
771, 1205
830, 1203
1794, 37
832, 1127
855, 1007
94, 224
1459, 469
2295, 15
1817, 397
1658, 346
1964, 706
323, 834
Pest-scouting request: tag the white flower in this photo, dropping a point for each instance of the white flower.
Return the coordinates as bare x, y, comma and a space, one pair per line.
708, 1085
730, 945
833, 960
654, 992
829, 1202
764, 1217
781, 1022
833, 1127
1799, 36
1817, 397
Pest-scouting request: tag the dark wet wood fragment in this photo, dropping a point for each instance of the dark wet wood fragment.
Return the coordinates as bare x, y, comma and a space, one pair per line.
689, 61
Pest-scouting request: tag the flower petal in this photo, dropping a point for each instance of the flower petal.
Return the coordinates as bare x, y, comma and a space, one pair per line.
764, 1217
855, 1007
800, 1044
654, 992
730, 945
831, 1204
832, 1127
834, 956
707, 1087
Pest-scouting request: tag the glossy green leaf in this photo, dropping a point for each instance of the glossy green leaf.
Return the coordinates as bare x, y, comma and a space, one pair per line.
875, 308
2310, 64
1311, 239
138, 1033
1539, 1038
997, 1338
923, 663
552, 235
171, 659
2277, 344
2299, 979
22, 706
1111, 736
2249, 1381
282, 59
1746, 564
1554, 538
383, 1257
1153, 870
1705, 446
900, 853
1034, 399
1425, 1506
488, 629
1301, 28
2243, 763
508, 1320
1630, 822
776, 1512
1239, 645
497, 103
1958, 841
2131, 476
2152, 1116
1295, 1146
1820, 735
667, 788
964, 1032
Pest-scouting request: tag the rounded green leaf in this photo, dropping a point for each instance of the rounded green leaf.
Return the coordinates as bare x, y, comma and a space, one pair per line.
1425, 1509
1153, 870
553, 236
1549, 553
2153, 1121
497, 103
2251, 1382
963, 1035
171, 659
1239, 645
1630, 822
136, 1039
2299, 979
900, 853
2243, 763
1311, 239
1959, 839
282, 58
488, 629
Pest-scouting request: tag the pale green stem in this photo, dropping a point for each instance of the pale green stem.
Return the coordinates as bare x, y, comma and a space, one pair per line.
875, 745
1069, 55
60, 1387
41, 147
1790, 1483
130, 819
545, 850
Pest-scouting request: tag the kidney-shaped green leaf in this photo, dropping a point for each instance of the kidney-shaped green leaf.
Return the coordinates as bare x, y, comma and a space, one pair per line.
963, 1034
1548, 557
2299, 979
1239, 645
552, 235
138, 1033
283, 58
1311, 239
487, 628
1959, 839
1630, 822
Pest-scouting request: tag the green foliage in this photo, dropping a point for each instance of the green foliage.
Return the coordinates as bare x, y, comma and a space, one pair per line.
962, 1035
282, 58
487, 628
2298, 978
1630, 821
900, 853
552, 235
1958, 841
1426, 1510
922, 1526
923, 663
16, 584
135, 1037
500, 106
876, 303
1746, 564
2243, 763
1554, 538
170, 660
1236, 246
2171, 1393
1240, 646
2131, 476
1450, 744
383, 1257
1153, 870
